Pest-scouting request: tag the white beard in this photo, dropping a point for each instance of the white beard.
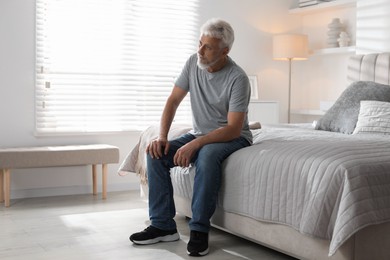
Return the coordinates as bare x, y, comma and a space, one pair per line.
204, 66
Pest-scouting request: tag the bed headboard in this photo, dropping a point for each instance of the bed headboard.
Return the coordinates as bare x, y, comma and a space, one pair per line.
370, 67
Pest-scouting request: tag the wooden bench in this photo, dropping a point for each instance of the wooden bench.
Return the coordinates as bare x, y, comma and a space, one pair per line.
53, 156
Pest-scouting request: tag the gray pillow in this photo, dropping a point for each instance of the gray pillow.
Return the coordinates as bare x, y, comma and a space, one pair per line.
343, 115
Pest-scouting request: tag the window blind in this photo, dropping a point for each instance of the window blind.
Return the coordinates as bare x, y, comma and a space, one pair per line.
109, 65
372, 26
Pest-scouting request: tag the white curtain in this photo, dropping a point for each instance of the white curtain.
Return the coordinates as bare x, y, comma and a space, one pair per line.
109, 65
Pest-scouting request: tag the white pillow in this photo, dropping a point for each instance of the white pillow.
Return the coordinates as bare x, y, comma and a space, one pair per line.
374, 117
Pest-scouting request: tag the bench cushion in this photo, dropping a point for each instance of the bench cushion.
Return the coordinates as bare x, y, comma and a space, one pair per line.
50, 156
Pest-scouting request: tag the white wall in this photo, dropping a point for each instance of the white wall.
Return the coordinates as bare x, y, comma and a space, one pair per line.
322, 77
254, 23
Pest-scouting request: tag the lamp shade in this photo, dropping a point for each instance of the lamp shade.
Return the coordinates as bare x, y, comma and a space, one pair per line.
290, 47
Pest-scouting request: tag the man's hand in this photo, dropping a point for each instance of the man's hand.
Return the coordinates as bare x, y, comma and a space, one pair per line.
157, 147
185, 153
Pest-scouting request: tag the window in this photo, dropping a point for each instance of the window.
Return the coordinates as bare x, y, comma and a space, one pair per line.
372, 26
109, 65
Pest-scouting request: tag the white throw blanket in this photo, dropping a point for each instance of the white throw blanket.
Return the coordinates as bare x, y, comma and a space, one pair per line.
135, 160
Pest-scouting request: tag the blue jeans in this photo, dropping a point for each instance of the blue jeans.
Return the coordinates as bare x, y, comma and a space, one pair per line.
208, 163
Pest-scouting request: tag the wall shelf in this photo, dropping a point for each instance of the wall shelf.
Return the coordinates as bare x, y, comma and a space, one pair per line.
327, 51
326, 6
308, 112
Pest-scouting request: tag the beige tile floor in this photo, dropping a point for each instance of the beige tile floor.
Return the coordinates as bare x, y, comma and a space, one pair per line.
86, 227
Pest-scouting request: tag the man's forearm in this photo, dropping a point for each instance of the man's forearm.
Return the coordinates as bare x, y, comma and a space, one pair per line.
169, 111
166, 120
220, 135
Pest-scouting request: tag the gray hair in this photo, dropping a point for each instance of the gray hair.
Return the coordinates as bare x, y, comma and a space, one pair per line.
219, 29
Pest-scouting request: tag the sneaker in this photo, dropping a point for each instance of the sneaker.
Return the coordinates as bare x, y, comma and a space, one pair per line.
199, 243
152, 235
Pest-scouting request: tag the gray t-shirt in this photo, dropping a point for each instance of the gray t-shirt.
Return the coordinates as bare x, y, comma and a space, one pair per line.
213, 95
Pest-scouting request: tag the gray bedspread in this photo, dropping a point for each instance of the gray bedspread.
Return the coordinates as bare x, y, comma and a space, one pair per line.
323, 184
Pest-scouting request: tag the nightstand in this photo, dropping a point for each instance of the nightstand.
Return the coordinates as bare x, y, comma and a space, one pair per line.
306, 115
265, 112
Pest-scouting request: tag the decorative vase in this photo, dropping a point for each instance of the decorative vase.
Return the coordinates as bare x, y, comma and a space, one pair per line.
334, 30
344, 39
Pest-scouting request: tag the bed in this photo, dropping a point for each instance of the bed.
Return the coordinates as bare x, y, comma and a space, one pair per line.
318, 192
